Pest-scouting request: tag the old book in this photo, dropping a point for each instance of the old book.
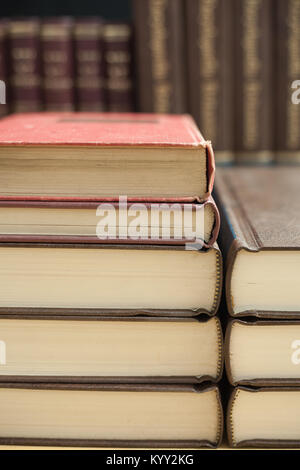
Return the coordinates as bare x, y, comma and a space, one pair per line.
263, 353
4, 108
60, 349
118, 66
264, 417
111, 415
287, 42
260, 239
94, 156
99, 222
118, 279
210, 69
89, 64
254, 80
160, 55
25, 65
58, 64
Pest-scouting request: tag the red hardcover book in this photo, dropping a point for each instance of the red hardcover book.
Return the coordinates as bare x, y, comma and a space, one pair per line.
100, 156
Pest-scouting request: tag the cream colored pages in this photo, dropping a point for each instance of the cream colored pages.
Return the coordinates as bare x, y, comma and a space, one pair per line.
266, 280
267, 415
264, 351
108, 278
105, 172
111, 348
110, 415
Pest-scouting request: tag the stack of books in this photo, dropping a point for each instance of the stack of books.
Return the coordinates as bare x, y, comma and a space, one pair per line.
260, 240
110, 280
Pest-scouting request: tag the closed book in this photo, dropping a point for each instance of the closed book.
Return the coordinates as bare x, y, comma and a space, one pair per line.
58, 64
25, 65
98, 156
263, 353
287, 95
160, 55
254, 25
100, 222
210, 70
87, 279
4, 67
260, 240
110, 350
118, 66
264, 417
110, 415
89, 64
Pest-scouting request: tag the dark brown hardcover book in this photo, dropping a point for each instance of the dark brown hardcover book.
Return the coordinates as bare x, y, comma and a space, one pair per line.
254, 24
110, 415
120, 280
110, 349
264, 417
118, 67
4, 67
210, 71
260, 240
89, 63
160, 55
263, 353
25, 65
58, 64
287, 94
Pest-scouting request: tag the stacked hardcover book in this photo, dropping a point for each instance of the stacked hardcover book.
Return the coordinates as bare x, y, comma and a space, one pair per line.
110, 280
260, 240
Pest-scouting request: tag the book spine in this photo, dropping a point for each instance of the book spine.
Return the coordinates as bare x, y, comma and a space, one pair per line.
3, 68
118, 67
253, 86
160, 55
210, 72
25, 65
287, 127
58, 64
88, 34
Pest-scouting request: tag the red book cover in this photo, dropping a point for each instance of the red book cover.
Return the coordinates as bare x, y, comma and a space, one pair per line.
109, 130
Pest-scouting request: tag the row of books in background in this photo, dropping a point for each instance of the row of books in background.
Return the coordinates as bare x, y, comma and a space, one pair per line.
65, 64
229, 63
